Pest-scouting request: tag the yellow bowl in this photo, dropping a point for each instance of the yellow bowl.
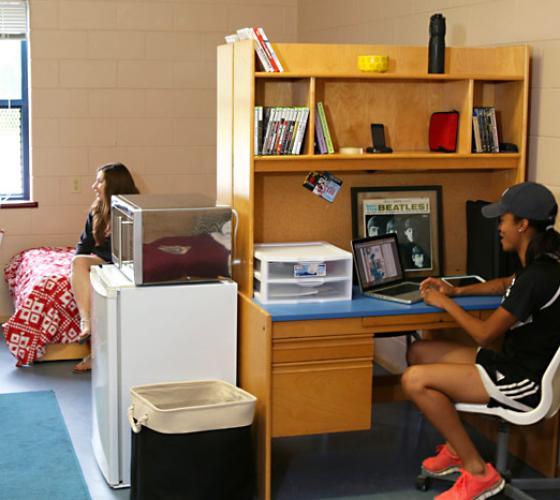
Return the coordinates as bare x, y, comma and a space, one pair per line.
373, 63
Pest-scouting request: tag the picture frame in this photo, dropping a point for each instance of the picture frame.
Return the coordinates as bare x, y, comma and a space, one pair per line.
414, 213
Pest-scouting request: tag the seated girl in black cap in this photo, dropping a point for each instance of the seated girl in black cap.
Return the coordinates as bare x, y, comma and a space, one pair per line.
442, 373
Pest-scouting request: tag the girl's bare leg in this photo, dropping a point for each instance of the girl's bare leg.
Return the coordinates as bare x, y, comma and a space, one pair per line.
434, 389
81, 265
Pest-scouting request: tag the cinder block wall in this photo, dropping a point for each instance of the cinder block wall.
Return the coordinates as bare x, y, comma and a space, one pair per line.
123, 80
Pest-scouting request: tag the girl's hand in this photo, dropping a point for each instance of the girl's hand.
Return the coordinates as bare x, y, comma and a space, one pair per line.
439, 285
433, 297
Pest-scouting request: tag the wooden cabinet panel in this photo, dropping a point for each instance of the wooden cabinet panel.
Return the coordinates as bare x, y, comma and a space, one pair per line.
312, 398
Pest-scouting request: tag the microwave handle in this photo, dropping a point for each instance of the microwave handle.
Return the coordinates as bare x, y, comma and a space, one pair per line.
120, 224
235, 262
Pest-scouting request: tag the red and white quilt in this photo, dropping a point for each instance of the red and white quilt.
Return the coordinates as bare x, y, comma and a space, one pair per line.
45, 310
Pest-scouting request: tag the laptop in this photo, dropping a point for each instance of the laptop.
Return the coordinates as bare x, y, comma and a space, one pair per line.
380, 272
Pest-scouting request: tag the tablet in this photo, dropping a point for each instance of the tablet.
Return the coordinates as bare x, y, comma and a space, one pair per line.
465, 280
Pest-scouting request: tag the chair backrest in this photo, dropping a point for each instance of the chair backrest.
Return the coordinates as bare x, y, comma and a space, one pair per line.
550, 386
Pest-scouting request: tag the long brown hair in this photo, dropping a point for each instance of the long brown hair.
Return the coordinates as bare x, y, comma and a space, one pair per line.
117, 181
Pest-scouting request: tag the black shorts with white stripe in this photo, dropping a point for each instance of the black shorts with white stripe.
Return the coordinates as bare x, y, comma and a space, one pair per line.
509, 385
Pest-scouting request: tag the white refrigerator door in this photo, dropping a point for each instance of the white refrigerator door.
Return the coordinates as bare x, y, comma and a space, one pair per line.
174, 333
105, 377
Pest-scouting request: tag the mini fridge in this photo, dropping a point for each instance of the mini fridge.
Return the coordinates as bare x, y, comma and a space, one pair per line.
146, 335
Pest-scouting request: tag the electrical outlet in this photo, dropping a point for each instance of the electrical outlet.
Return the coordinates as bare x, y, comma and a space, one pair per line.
76, 185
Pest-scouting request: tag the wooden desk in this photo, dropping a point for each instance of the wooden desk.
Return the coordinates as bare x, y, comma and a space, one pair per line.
311, 365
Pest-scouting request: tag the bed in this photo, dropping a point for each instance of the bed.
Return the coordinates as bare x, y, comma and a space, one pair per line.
45, 311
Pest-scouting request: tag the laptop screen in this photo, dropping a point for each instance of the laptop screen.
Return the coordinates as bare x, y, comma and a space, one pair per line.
377, 261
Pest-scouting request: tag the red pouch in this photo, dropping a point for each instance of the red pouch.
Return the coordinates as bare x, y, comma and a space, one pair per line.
443, 131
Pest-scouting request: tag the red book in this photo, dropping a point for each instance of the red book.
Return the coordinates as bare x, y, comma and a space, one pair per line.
262, 43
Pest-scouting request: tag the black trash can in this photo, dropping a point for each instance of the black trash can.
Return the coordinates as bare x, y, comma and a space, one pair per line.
192, 440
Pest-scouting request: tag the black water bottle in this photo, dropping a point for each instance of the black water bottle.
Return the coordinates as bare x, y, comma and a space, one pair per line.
436, 47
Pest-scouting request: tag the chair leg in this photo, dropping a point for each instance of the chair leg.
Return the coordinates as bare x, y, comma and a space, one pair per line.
502, 439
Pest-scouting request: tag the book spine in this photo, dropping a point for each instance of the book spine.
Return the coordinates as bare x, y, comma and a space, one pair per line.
271, 50
269, 131
494, 128
278, 130
476, 133
289, 130
321, 144
301, 131
326, 131
266, 48
297, 123
258, 130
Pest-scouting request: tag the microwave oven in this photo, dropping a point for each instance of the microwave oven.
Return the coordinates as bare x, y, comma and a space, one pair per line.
170, 238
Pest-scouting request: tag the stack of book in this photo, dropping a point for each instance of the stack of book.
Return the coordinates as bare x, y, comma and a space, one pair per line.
485, 130
267, 57
323, 139
280, 130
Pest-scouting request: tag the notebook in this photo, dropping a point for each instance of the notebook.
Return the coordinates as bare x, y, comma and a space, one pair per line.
380, 272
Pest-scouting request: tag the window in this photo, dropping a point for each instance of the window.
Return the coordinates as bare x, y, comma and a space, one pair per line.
14, 109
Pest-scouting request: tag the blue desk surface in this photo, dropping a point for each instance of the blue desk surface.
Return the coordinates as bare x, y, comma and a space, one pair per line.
361, 306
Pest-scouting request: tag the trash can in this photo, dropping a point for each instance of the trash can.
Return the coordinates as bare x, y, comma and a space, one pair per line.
192, 440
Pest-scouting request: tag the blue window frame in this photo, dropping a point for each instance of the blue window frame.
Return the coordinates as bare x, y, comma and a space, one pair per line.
14, 121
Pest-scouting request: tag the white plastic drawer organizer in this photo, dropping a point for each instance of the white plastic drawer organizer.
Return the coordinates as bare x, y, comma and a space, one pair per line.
302, 272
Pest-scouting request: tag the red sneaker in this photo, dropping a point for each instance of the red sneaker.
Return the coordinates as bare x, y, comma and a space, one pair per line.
443, 463
471, 487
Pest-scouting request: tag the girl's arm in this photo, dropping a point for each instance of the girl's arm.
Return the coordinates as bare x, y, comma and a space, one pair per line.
482, 331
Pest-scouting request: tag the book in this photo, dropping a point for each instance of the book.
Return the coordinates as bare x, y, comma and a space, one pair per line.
477, 140
266, 48
494, 130
270, 50
320, 137
258, 129
301, 131
324, 124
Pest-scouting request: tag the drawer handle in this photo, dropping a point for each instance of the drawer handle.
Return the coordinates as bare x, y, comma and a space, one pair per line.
310, 283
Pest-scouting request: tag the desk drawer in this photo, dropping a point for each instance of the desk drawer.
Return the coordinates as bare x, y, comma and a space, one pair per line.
322, 348
313, 398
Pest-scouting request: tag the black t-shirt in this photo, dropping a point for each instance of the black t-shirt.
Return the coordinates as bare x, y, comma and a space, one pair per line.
87, 246
534, 299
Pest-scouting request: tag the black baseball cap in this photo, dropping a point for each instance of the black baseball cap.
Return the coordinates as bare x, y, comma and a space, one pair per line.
527, 200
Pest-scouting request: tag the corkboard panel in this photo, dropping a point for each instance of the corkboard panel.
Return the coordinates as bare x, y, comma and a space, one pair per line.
285, 211
404, 107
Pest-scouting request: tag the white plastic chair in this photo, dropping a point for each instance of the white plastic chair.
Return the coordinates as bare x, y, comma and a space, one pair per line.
547, 408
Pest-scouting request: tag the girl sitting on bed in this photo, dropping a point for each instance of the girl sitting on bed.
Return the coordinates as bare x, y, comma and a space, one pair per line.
94, 246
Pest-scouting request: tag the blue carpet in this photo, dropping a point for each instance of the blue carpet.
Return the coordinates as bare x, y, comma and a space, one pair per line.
37, 459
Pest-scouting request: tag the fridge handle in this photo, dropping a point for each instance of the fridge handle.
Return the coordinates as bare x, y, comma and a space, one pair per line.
119, 240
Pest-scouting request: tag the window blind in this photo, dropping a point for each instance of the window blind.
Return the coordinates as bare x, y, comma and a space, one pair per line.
13, 18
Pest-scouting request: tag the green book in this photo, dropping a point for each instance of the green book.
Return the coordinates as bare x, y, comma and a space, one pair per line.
326, 131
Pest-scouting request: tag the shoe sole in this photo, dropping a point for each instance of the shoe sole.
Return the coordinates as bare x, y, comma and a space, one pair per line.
494, 490
444, 472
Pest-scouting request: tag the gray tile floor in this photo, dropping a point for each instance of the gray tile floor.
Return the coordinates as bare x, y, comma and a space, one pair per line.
381, 463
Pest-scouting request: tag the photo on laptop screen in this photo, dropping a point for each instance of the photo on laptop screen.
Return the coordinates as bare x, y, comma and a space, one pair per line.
377, 260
